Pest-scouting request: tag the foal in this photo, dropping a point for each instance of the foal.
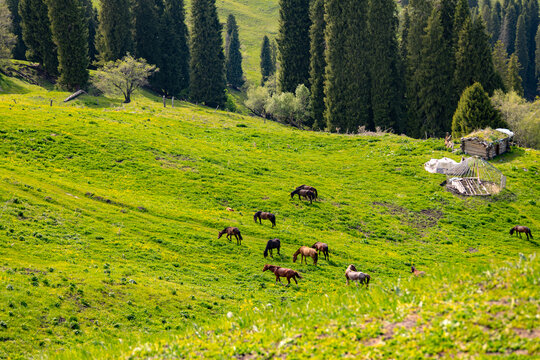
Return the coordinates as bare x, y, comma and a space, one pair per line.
283, 272
305, 252
230, 231
272, 244
521, 229
358, 276
265, 216
319, 246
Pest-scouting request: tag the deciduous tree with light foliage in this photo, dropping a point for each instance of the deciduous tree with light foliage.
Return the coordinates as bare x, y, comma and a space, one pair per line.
123, 76
7, 39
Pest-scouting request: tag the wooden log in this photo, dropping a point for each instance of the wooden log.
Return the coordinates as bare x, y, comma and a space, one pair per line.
74, 95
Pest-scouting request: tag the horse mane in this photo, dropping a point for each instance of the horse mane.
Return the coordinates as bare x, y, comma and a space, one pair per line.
512, 230
295, 192
351, 268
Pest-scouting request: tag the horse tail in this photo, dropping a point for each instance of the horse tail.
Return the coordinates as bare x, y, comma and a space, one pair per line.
367, 279
297, 275
266, 250
316, 257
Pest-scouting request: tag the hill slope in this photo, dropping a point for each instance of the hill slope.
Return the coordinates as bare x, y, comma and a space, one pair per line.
109, 217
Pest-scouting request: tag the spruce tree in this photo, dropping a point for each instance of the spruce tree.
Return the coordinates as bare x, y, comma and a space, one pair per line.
36, 32
508, 29
70, 34
173, 76
537, 55
531, 10
463, 15
318, 62
294, 44
114, 37
500, 61
267, 67
92, 19
207, 62
435, 94
19, 50
386, 77
347, 87
474, 112
146, 30
231, 25
496, 22
233, 62
513, 79
522, 50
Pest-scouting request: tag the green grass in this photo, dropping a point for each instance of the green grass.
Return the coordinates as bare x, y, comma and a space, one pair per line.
109, 215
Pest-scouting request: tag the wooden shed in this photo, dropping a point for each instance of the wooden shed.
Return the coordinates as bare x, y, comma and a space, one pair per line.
487, 143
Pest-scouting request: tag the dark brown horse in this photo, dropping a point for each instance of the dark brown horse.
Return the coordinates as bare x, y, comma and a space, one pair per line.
265, 216
310, 188
521, 229
319, 246
230, 231
308, 194
270, 245
283, 272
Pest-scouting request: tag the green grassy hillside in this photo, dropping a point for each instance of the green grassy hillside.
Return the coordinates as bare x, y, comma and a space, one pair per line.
109, 216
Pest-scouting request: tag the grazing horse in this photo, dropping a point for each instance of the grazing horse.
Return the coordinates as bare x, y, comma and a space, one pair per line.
308, 194
305, 252
307, 187
319, 246
353, 275
417, 272
272, 244
283, 272
230, 231
521, 229
265, 216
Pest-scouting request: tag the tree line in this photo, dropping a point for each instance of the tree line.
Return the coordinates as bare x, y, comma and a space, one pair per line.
366, 66
67, 37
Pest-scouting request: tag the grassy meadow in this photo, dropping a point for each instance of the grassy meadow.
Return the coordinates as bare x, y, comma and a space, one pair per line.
109, 215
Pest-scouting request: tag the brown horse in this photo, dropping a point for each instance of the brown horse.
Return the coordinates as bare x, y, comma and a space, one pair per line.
307, 194
230, 231
319, 246
283, 272
521, 229
351, 274
305, 252
310, 188
265, 216
417, 272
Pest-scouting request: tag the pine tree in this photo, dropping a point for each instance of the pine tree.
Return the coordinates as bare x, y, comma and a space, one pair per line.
294, 44
435, 96
91, 15
474, 112
500, 61
508, 29
347, 87
36, 31
267, 68
146, 30
233, 63
318, 62
474, 61
70, 34
114, 38
231, 25
463, 15
386, 77
207, 63
529, 82
173, 76
522, 50
513, 79
406, 24
19, 51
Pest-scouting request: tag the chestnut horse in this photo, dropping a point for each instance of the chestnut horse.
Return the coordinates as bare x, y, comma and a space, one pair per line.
521, 229
265, 216
305, 252
417, 272
272, 244
283, 272
308, 194
310, 188
230, 231
319, 246
353, 275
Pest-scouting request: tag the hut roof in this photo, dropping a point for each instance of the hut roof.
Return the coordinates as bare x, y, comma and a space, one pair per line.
489, 135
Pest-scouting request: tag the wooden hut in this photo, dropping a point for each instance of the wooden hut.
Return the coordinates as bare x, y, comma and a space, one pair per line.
487, 143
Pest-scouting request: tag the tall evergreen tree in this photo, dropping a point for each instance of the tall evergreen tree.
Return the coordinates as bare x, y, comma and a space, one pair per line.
19, 50
406, 25
173, 76
294, 44
233, 63
318, 62
386, 76
500, 61
522, 50
114, 37
531, 10
496, 22
91, 15
231, 25
435, 96
347, 87
36, 31
146, 30
508, 29
267, 67
463, 15
474, 61
207, 62
70, 34
537, 57
513, 79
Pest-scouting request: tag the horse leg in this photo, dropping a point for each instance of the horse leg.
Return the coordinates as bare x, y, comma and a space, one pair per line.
294, 278
288, 281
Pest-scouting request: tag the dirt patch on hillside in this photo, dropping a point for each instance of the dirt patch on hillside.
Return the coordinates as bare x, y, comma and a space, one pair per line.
422, 219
